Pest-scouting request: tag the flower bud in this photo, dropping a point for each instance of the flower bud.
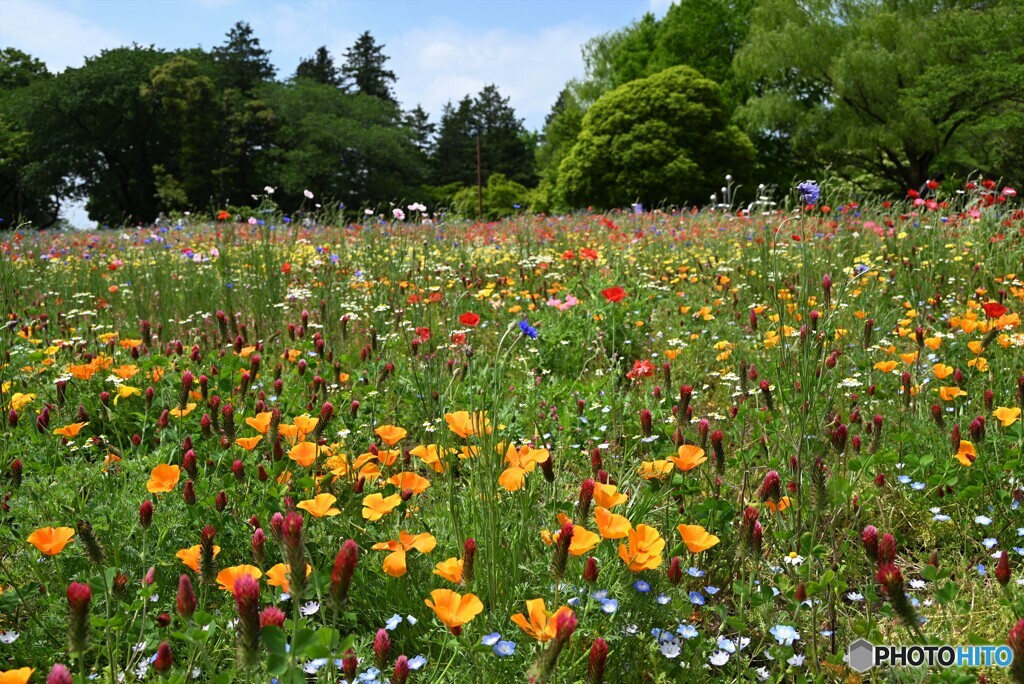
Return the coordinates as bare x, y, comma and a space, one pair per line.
381, 647
186, 598
590, 570
146, 514
164, 658
1003, 569
59, 674
79, 597
344, 569
675, 570
247, 599
598, 656
272, 616
401, 675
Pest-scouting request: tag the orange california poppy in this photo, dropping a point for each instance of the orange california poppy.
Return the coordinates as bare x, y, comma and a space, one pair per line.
885, 366
394, 563
644, 550
390, 434
428, 453
19, 676
655, 470
611, 525
608, 496
260, 422
784, 503
190, 556
520, 462
541, 624
51, 541
583, 540
450, 569
228, 576
303, 453
320, 506
951, 393
466, 425
277, 576
70, 431
453, 609
933, 343
1007, 416
376, 506
697, 539
909, 358
688, 457
966, 454
163, 478
126, 371
303, 426
417, 484
942, 371
248, 443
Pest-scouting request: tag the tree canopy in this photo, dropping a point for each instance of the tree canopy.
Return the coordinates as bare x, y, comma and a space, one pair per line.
661, 139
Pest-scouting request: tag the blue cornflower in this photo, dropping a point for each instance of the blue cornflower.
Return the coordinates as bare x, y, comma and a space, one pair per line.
504, 648
528, 329
809, 192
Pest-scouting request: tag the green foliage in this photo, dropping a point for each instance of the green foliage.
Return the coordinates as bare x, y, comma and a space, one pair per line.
890, 88
665, 138
501, 197
363, 71
242, 64
320, 68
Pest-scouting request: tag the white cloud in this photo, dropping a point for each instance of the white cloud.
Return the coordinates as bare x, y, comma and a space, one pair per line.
59, 38
447, 61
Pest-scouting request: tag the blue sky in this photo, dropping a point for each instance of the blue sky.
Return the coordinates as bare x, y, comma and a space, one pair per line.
439, 49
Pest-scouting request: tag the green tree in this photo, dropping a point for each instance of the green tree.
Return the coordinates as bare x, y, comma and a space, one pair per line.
28, 192
664, 138
883, 88
341, 146
364, 72
562, 125
505, 146
320, 68
242, 64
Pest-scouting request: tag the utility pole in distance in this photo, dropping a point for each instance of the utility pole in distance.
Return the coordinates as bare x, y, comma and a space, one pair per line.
479, 182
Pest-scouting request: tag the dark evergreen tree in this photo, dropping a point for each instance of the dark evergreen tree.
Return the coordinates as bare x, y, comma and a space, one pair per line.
320, 68
364, 72
242, 63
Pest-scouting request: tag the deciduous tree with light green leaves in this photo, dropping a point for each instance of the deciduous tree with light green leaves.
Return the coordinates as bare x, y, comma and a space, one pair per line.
887, 89
661, 139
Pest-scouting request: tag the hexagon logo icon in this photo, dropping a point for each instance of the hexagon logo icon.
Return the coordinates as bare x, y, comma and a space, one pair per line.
861, 655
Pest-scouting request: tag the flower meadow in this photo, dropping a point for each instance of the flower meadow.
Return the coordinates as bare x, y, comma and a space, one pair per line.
622, 447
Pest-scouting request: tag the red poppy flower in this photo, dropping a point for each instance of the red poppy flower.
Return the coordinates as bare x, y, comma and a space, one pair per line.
588, 253
286, 267
458, 338
913, 193
994, 309
614, 294
470, 319
223, 215
567, 255
423, 333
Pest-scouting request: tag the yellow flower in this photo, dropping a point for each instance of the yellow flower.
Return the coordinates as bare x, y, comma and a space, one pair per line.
696, 538
1007, 416
655, 470
542, 624
390, 434
644, 549
966, 454
376, 506
320, 506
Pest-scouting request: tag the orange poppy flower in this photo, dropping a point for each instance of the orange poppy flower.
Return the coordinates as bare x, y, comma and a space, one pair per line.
19, 676
608, 496
228, 576
885, 366
376, 506
303, 453
394, 563
299, 427
942, 371
611, 525
644, 550
417, 484
260, 422
163, 478
277, 576
655, 470
454, 609
390, 434
126, 371
783, 504
979, 364
70, 431
966, 454
320, 506
909, 358
688, 457
696, 538
82, 371
1007, 416
428, 454
50, 540
466, 425
248, 443
520, 462
19, 400
450, 569
951, 393
541, 624
933, 343
190, 556
583, 540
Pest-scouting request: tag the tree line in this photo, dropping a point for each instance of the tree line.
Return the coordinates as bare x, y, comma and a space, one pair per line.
881, 93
